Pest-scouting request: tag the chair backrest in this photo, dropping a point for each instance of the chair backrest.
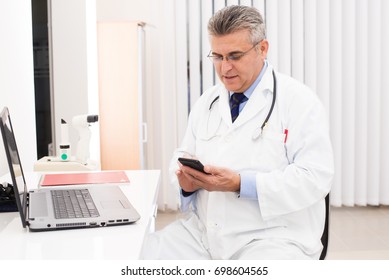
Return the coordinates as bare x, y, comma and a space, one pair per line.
324, 237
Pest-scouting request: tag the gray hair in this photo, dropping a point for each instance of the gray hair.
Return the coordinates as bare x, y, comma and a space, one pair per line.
236, 18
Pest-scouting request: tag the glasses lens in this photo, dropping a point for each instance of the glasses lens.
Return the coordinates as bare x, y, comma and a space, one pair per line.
235, 57
215, 58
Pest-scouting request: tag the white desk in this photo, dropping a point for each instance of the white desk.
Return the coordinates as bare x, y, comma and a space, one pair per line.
117, 242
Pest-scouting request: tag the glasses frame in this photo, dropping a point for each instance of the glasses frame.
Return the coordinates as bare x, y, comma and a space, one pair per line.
216, 59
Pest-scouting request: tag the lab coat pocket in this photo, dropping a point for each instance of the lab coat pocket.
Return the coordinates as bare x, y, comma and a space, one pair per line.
272, 153
273, 135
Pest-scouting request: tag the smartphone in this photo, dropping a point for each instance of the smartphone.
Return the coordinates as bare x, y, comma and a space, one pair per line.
192, 163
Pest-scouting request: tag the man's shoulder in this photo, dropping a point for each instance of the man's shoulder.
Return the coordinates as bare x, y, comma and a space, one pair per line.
291, 88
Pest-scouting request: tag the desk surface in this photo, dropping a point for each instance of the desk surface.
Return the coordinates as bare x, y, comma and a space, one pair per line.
117, 242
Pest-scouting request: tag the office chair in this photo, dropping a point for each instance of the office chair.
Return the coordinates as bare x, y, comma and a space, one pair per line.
324, 237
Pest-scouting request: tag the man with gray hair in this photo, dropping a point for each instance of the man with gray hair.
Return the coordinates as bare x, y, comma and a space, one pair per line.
264, 141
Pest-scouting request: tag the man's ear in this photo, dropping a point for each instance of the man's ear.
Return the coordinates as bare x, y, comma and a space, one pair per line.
264, 47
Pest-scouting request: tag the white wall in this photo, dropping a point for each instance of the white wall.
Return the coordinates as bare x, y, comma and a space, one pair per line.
17, 78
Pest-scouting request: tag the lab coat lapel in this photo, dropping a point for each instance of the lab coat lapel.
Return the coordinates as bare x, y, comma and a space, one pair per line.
224, 108
258, 100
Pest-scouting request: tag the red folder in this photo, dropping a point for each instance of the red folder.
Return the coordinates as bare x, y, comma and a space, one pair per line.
84, 178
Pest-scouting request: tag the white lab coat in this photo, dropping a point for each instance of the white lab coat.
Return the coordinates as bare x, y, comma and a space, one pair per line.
292, 178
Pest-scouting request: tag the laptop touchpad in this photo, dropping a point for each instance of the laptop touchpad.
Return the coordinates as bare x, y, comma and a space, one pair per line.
112, 204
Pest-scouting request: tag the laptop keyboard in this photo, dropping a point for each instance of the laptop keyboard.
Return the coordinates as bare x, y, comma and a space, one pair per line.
73, 203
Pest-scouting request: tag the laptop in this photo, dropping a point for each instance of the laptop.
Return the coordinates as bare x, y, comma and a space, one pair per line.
80, 206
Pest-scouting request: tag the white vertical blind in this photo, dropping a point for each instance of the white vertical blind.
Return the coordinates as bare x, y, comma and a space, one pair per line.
271, 19
246, 2
259, 4
338, 48
284, 37
207, 66
361, 99
169, 85
232, 2
181, 65
297, 47
194, 49
310, 43
323, 52
384, 174
348, 95
374, 112
218, 5
336, 96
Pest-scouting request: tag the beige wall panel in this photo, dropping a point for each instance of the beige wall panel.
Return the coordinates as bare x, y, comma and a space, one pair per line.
118, 95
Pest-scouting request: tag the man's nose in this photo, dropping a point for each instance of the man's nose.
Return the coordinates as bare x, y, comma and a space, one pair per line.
226, 65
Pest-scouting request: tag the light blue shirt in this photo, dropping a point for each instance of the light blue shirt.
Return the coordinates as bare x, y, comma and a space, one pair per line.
248, 185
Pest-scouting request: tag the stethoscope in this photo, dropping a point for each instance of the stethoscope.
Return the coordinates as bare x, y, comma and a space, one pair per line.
258, 132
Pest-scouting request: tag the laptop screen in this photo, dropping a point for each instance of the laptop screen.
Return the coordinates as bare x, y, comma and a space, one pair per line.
14, 164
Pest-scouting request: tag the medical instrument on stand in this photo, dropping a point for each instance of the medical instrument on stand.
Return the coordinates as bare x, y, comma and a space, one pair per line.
67, 160
81, 123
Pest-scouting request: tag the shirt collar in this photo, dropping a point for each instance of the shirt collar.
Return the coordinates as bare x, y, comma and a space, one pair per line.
250, 90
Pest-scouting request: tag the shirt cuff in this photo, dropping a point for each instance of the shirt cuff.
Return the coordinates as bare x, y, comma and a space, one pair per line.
186, 201
186, 194
248, 185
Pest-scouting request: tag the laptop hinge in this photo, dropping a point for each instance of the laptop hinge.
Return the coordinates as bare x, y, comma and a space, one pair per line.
28, 209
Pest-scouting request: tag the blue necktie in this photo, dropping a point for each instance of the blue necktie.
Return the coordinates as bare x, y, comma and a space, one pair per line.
235, 101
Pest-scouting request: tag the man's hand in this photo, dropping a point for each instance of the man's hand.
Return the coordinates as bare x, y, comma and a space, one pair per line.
217, 179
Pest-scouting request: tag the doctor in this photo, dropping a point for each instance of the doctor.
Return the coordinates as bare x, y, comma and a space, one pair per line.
263, 138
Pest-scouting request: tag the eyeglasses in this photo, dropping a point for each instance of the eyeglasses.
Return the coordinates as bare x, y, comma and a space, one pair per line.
236, 56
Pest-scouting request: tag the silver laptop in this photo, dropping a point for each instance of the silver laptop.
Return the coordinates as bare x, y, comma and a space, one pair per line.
76, 206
